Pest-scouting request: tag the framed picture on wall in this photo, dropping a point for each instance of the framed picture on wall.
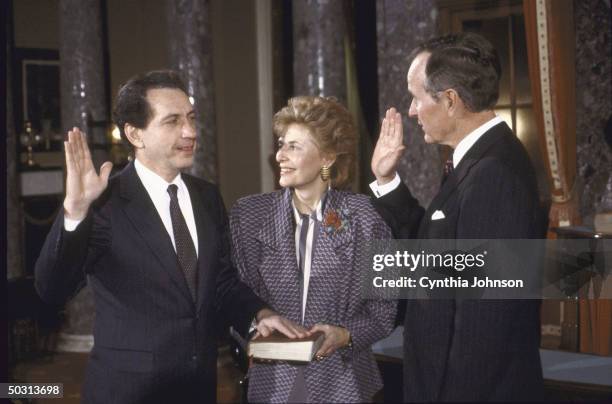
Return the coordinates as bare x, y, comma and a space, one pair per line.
36, 92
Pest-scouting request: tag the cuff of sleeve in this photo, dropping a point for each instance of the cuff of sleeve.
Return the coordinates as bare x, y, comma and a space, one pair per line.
381, 190
71, 224
253, 325
347, 351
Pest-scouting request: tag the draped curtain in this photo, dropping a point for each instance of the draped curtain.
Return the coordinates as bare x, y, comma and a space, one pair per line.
550, 35
550, 32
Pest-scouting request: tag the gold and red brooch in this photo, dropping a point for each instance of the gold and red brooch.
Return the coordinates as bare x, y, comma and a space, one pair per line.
335, 222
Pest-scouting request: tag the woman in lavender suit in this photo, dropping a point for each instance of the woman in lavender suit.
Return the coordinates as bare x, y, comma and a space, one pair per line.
297, 248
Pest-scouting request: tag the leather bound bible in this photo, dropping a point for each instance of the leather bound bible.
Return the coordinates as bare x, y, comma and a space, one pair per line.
281, 348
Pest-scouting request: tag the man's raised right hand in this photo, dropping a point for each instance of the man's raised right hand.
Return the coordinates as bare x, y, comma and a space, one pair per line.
83, 184
389, 147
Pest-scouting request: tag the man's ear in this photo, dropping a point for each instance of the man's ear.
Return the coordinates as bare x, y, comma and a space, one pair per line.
134, 136
452, 101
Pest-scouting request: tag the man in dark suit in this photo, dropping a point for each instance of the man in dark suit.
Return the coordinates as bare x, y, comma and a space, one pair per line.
464, 350
153, 245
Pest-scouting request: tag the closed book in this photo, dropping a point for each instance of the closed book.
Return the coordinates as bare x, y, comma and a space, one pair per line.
281, 348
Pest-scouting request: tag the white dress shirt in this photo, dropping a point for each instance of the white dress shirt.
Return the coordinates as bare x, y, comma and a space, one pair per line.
467, 142
462, 148
309, 246
157, 188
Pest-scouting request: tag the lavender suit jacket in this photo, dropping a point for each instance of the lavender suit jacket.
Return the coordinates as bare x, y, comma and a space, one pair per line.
264, 252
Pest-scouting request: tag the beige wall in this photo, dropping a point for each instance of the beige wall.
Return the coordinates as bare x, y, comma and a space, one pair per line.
136, 39
235, 69
137, 43
36, 23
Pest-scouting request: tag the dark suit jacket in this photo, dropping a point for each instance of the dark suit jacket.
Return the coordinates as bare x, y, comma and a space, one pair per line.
473, 350
153, 343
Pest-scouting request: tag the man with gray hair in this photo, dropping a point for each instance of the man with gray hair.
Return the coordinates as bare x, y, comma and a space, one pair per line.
463, 350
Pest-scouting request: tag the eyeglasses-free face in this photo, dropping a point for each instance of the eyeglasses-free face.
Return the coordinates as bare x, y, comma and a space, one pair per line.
300, 159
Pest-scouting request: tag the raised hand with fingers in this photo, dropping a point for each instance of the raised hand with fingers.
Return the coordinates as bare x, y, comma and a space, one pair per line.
83, 184
389, 147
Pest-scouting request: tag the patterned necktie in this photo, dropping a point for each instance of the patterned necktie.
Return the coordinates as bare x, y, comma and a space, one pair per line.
448, 169
185, 249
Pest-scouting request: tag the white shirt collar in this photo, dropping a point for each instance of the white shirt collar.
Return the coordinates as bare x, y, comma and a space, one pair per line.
157, 190
467, 142
153, 182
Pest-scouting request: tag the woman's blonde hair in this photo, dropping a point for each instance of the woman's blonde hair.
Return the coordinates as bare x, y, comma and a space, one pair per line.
331, 126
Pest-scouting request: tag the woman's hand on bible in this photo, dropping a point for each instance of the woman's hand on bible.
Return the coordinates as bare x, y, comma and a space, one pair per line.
335, 338
269, 321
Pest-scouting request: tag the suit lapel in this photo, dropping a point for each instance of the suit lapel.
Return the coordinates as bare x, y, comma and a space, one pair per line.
207, 242
474, 154
277, 229
331, 241
327, 257
142, 213
279, 262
